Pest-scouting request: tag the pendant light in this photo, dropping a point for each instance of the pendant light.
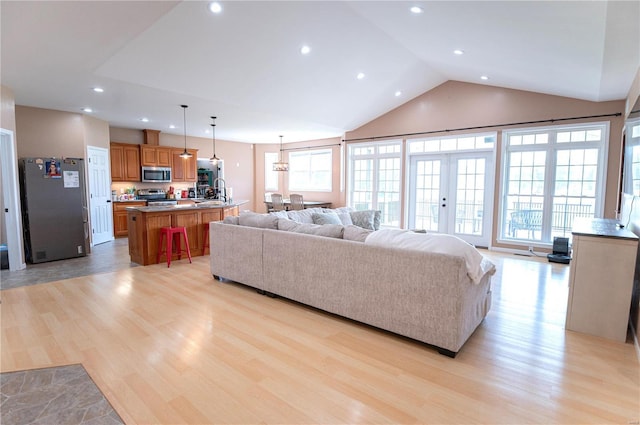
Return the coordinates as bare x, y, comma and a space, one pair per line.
214, 159
281, 165
186, 154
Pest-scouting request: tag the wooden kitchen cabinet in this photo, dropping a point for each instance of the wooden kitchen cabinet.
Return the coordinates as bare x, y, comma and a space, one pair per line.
233, 211
144, 230
120, 226
155, 156
125, 162
184, 169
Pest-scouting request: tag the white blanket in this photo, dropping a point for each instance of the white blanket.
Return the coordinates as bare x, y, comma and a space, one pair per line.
441, 243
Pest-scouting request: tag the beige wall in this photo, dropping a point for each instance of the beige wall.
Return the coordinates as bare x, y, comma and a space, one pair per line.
634, 94
336, 196
45, 132
459, 105
8, 122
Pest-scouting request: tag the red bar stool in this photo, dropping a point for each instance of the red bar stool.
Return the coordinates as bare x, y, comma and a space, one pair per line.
169, 234
205, 239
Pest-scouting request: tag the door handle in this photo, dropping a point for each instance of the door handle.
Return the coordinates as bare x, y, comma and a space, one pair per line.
108, 200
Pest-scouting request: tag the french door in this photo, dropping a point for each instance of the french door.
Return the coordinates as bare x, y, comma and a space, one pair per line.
452, 193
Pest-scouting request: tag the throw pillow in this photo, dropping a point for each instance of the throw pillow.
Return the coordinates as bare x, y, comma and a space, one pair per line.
367, 219
345, 218
303, 216
355, 233
327, 230
326, 218
263, 221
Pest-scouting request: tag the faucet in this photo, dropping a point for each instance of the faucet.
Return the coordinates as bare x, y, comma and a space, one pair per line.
216, 189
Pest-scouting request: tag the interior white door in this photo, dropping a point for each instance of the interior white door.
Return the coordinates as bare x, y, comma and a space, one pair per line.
451, 193
100, 195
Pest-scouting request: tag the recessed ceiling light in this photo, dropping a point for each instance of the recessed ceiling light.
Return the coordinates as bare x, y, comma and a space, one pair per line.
87, 110
305, 50
172, 126
416, 9
98, 89
360, 75
144, 119
484, 77
398, 93
458, 52
215, 7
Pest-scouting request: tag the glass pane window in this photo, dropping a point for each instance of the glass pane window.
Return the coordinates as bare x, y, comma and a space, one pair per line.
470, 195
552, 176
310, 171
452, 144
374, 179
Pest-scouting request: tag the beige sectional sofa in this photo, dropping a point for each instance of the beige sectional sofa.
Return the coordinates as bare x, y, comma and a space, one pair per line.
425, 296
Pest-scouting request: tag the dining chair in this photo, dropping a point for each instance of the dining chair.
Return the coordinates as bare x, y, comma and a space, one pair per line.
296, 201
276, 202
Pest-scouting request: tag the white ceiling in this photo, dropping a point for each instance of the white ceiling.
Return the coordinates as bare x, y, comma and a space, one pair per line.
244, 65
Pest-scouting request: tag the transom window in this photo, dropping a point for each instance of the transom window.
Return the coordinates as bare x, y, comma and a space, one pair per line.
310, 171
551, 176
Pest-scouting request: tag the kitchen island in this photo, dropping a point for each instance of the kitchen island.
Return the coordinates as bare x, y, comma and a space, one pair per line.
144, 224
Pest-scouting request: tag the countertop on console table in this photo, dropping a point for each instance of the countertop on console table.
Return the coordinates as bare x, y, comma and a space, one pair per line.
144, 224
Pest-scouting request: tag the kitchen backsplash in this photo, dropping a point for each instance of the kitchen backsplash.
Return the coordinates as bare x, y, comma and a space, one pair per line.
121, 188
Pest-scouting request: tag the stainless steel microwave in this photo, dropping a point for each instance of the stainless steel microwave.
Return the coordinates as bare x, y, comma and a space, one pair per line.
156, 174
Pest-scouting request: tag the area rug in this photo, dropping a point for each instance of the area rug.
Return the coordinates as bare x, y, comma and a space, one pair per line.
55, 395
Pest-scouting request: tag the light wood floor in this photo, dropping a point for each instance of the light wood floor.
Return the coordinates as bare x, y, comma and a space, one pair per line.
174, 346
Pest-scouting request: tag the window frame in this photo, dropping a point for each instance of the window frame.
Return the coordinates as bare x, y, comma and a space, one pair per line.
551, 149
297, 184
375, 193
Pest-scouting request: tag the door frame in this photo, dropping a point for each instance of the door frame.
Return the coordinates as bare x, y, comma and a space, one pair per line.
11, 198
448, 180
89, 183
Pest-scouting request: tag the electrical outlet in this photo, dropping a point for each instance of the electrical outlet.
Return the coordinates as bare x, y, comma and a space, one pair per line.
530, 249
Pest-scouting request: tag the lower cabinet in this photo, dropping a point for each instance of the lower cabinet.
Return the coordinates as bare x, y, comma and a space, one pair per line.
144, 230
120, 225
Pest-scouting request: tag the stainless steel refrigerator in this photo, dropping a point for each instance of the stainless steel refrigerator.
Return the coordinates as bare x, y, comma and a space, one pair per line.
54, 208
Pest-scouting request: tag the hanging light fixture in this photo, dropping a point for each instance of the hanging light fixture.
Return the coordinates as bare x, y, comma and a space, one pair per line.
281, 165
186, 154
214, 159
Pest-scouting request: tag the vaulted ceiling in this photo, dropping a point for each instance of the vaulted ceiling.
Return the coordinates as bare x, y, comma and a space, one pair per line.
244, 64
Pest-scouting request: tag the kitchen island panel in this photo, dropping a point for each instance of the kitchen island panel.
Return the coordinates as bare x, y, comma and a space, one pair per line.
145, 223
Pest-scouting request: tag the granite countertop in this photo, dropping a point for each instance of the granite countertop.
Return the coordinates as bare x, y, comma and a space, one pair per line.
198, 206
124, 201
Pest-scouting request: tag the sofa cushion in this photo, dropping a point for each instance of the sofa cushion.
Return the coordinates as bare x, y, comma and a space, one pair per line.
367, 219
327, 230
263, 221
231, 219
280, 214
326, 218
355, 233
303, 216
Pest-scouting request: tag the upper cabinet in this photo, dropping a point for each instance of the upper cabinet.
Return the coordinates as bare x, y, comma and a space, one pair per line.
125, 162
184, 169
155, 156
